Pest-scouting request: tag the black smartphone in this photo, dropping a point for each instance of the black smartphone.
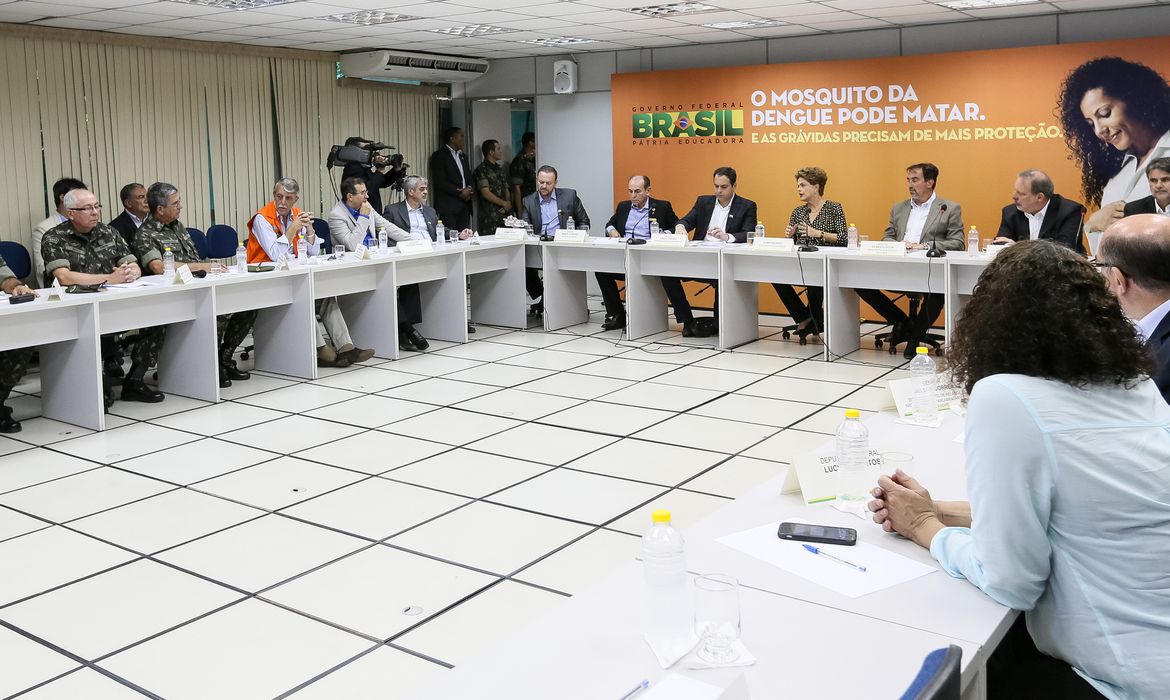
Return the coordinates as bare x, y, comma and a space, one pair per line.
817, 533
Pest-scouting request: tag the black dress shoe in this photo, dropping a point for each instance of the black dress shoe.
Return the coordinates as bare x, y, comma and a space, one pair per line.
470, 328
613, 323
8, 424
706, 327
113, 368
688, 329
911, 351
420, 343
537, 308
224, 382
405, 345
229, 370
136, 390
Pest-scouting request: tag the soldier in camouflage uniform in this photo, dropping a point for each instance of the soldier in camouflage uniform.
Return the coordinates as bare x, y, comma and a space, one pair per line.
85, 251
522, 171
161, 230
491, 186
12, 362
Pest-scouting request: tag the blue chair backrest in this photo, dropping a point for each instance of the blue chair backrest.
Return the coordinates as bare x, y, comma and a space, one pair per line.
939, 677
199, 240
222, 241
321, 230
17, 258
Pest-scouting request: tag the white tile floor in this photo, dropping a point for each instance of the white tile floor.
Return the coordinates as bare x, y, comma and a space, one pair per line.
355, 536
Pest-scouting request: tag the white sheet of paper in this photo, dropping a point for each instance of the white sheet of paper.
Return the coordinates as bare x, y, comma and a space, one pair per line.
606, 240
883, 567
679, 687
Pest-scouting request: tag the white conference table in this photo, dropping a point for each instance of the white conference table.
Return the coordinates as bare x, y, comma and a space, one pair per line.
591, 647
565, 277
743, 269
68, 330
646, 304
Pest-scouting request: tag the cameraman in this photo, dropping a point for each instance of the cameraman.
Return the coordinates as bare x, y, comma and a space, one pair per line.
377, 175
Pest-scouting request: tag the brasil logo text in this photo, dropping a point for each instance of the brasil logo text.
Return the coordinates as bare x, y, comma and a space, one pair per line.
707, 122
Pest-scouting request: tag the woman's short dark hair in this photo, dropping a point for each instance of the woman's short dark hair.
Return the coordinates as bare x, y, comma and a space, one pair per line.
814, 176
1147, 100
1041, 310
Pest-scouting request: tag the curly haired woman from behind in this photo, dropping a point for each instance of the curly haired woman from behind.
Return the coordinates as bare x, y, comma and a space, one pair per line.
1067, 449
1116, 118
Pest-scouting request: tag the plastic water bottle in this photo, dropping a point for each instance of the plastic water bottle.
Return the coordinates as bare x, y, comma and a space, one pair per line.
168, 266
853, 478
654, 229
924, 403
760, 232
570, 224
664, 562
241, 258
383, 241
973, 240
852, 234
528, 231
440, 234
302, 248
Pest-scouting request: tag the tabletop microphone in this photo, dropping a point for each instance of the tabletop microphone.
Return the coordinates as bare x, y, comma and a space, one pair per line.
935, 251
1082, 237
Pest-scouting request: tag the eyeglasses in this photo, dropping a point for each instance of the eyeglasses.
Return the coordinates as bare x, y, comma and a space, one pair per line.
92, 207
1100, 264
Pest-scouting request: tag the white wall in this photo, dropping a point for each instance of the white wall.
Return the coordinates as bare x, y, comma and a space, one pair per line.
573, 135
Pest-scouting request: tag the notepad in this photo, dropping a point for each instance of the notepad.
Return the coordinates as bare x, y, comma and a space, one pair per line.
883, 568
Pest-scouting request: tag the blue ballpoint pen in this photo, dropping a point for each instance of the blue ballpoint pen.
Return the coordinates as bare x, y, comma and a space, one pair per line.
643, 684
823, 553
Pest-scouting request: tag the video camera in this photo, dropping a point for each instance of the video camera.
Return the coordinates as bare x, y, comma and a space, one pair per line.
369, 154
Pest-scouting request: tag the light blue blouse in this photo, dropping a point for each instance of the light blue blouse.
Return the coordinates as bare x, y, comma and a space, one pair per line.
1070, 498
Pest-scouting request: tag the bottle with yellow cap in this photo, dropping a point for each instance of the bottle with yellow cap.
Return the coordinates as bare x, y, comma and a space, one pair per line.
853, 477
668, 613
924, 402
851, 236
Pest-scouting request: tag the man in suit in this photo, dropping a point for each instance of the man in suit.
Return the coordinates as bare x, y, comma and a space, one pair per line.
924, 221
451, 173
723, 216
1135, 252
547, 209
1158, 172
631, 220
418, 221
377, 175
350, 221
12, 362
1037, 212
134, 211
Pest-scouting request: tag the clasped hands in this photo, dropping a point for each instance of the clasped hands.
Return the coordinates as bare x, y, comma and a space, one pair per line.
900, 504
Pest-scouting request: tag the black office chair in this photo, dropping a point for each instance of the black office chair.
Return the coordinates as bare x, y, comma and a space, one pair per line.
321, 230
939, 677
17, 257
933, 340
199, 240
222, 241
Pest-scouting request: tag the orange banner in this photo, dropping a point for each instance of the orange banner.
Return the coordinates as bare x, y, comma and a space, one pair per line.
980, 116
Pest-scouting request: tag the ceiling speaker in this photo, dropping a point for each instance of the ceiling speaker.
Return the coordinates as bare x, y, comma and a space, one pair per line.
564, 77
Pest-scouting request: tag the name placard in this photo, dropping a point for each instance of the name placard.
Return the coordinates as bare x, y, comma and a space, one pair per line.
183, 275
566, 235
362, 252
779, 245
672, 240
55, 291
902, 393
511, 234
413, 247
993, 249
815, 476
884, 248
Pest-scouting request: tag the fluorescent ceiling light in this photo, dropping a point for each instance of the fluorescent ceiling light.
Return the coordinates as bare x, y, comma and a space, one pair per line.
558, 41
472, 30
745, 24
673, 9
369, 17
235, 4
981, 4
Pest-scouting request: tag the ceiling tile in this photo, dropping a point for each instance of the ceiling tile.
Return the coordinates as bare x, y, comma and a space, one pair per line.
848, 24
712, 17
79, 23
781, 30
21, 11
177, 9
872, 4
306, 25
193, 24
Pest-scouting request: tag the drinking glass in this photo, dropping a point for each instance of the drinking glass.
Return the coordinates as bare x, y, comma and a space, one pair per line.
897, 460
986, 242
717, 617
338, 251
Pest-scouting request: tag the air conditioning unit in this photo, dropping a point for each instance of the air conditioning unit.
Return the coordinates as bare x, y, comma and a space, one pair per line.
411, 65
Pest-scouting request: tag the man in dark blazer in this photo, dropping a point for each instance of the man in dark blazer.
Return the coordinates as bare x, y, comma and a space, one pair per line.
925, 221
548, 209
134, 211
451, 176
1037, 212
631, 220
1136, 254
1158, 172
723, 216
